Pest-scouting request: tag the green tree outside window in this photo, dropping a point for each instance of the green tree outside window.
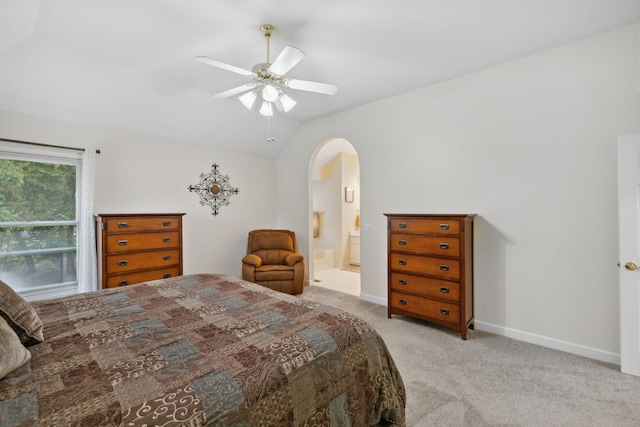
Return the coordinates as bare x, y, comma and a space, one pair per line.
33, 192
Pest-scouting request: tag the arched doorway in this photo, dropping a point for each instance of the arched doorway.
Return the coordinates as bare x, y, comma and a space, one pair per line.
334, 243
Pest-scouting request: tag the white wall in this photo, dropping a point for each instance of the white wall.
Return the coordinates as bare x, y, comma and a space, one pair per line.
139, 174
530, 146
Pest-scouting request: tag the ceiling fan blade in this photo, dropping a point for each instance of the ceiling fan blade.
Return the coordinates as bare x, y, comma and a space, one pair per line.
224, 66
235, 91
287, 59
323, 88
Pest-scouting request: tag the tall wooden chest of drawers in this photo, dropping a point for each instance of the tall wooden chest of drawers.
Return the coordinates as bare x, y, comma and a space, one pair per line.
430, 268
135, 248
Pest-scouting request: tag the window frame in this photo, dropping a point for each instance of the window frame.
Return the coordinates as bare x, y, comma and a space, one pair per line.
50, 155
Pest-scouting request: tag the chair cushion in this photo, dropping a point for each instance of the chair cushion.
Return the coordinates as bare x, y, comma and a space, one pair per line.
252, 259
293, 259
274, 272
272, 240
272, 246
20, 315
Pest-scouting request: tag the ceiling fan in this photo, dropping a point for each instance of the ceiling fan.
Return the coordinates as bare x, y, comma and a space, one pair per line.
269, 80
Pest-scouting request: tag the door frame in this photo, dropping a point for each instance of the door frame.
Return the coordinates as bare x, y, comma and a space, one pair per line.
629, 251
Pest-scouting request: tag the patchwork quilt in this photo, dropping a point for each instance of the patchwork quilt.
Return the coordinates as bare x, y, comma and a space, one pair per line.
202, 350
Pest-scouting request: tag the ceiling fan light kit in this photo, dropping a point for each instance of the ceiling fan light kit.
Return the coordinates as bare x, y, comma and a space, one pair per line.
270, 93
286, 102
270, 80
248, 99
266, 109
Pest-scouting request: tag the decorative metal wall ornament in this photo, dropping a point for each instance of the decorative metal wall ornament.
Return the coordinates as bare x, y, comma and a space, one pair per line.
214, 190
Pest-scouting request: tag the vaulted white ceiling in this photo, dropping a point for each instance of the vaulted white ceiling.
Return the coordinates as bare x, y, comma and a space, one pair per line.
129, 64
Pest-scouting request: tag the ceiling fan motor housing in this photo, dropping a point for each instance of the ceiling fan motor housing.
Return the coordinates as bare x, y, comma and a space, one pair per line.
265, 76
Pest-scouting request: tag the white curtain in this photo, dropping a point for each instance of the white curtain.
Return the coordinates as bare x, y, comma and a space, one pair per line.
87, 268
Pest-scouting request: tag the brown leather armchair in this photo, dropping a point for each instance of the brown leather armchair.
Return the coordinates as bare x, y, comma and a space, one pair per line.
273, 261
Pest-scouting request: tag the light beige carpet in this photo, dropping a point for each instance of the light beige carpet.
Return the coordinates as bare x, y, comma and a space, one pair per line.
490, 380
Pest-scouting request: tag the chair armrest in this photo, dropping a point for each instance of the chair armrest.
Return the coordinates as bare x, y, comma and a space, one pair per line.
252, 259
293, 259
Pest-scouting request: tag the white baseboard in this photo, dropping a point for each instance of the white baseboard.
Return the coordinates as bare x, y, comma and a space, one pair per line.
375, 300
567, 347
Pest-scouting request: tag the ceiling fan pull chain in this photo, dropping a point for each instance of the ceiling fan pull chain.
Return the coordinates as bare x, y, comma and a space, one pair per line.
270, 138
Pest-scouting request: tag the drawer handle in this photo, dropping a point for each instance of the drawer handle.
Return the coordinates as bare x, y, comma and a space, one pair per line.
123, 242
444, 268
123, 224
403, 301
166, 239
402, 242
166, 276
444, 289
444, 226
444, 246
444, 311
166, 223
123, 262
402, 262
402, 282
402, 225
166, 257
123, 283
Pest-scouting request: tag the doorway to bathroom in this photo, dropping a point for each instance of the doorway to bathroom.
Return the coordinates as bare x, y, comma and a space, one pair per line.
335, 194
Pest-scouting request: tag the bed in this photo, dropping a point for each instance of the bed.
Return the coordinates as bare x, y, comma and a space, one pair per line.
200, 350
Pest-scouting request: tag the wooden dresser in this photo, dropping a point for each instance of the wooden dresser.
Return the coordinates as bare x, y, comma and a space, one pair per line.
430, 268
135, 248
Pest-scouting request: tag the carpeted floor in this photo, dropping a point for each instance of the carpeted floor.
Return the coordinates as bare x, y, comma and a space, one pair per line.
490, 380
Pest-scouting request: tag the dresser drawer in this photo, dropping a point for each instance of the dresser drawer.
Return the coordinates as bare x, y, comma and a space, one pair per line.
128, 242
124, 224
422, 225
132, 278
426, 286
440, 310
142, 260
433, 245
430, 266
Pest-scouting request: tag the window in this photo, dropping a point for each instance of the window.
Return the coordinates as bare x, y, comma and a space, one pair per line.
39, 219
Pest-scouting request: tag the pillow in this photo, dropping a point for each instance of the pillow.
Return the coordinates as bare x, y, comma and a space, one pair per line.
12, 353
20, 315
